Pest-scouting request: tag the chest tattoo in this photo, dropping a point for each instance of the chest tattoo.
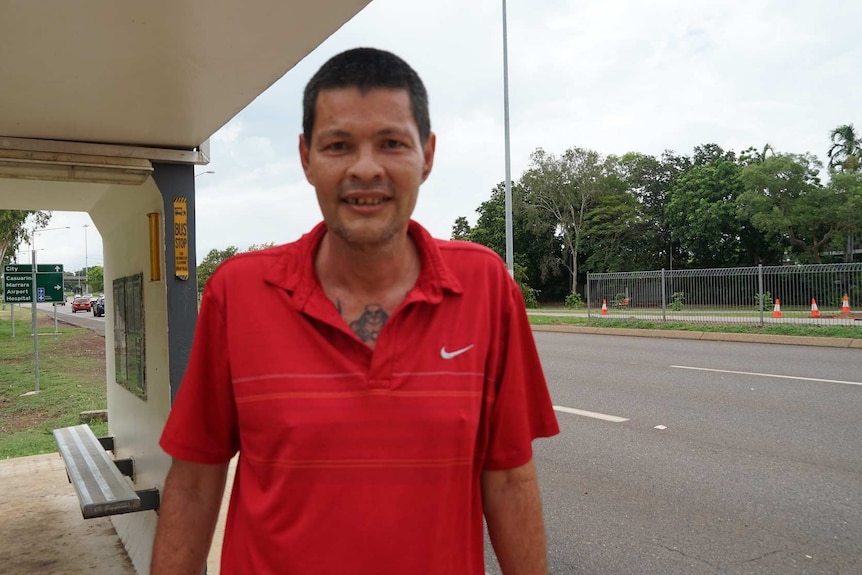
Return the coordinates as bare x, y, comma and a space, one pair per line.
367, 327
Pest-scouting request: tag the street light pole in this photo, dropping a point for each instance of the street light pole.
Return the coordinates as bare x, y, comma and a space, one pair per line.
509, 240
85, 259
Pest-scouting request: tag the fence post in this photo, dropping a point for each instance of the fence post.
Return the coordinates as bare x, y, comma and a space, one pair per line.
588, 295
760, 290
663, 298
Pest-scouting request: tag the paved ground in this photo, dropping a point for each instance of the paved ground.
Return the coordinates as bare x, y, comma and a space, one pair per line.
42, 530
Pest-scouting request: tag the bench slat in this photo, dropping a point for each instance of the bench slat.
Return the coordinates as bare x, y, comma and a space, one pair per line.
101, 487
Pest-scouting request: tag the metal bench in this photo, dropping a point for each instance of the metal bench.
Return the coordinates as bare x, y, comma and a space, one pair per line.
98, 479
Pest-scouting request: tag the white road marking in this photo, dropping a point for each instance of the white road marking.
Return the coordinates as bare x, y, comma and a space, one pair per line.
769, 375
593, 414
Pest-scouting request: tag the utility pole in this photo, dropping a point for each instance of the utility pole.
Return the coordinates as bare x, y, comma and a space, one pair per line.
86, 288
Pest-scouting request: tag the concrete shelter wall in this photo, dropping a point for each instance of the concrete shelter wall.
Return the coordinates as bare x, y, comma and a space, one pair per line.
135, 423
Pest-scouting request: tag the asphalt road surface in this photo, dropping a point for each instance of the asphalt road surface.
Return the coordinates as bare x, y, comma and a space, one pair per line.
752, 468
64, 314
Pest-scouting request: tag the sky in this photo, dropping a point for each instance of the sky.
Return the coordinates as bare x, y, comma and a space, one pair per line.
612, 76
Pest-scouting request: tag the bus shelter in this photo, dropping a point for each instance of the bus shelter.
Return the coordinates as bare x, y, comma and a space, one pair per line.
107, 107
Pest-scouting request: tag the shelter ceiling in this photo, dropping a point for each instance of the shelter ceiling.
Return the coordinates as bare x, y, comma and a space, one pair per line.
162, 73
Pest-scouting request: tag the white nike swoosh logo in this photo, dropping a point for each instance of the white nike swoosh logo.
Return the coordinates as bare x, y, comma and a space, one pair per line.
450, 354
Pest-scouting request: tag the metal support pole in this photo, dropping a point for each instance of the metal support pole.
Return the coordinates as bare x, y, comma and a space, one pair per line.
663, 297
33, 308
588, 295
760, 290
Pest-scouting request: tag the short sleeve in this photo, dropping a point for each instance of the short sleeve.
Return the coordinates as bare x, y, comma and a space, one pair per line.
522, 409
202, 425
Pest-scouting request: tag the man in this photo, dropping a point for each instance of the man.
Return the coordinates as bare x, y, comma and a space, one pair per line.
382, 388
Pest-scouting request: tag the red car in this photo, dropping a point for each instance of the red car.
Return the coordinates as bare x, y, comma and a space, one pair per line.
80, 303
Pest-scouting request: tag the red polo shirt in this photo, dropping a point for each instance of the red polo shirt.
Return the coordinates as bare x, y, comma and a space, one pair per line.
355, 461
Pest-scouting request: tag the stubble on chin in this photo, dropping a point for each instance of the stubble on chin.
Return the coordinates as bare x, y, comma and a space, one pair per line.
364, 238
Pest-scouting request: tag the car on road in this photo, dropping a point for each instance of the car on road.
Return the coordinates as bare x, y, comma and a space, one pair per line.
81, 303
99, 307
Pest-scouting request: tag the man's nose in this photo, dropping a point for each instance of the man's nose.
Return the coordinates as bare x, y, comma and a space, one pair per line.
366, 164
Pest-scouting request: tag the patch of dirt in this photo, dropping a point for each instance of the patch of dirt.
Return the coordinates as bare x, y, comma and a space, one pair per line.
851, 315
19, 421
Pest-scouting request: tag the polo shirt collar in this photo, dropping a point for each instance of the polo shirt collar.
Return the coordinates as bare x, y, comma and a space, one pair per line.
294, 271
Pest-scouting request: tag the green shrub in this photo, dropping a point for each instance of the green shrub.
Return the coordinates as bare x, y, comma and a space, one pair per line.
574, 300
530, 295
677, 300
762, 300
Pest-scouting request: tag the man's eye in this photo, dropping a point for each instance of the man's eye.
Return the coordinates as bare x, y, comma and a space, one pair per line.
336, 146
393, 144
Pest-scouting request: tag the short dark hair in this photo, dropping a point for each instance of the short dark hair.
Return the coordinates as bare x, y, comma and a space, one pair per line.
366, 69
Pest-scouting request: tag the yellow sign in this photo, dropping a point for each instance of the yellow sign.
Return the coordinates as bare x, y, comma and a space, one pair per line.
181, 238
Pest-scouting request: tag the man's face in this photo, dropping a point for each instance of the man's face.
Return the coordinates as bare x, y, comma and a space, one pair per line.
366, 162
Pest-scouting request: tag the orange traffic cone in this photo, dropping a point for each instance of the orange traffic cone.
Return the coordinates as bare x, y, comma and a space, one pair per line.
776, 311
845, 304
814, 311
604, 307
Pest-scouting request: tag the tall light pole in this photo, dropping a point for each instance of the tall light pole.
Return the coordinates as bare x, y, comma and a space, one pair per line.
204, 173
510, 263
85, 226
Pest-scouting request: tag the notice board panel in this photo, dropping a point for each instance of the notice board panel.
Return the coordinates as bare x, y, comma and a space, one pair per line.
129, 352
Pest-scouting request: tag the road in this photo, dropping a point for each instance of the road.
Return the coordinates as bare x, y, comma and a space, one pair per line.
710, 471
64, 314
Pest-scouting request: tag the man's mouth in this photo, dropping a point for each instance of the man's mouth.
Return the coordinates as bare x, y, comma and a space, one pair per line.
365, 201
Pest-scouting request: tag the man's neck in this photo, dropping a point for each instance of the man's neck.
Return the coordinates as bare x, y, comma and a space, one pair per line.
367, 271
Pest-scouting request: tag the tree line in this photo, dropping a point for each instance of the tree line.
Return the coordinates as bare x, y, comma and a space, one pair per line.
582, 211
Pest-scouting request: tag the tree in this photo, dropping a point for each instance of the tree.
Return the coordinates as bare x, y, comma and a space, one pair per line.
846, 150
649, 181
96, 279
461, 229
209, 264
263, 246
612, 230
17, 226
848, 185
536, 250
753, 156
784, 198
562, 190
704, 216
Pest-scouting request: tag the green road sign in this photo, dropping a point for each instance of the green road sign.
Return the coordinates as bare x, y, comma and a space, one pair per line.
18, 283
28, 268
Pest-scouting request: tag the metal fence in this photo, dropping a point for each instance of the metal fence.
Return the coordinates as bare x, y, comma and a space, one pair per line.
822, 294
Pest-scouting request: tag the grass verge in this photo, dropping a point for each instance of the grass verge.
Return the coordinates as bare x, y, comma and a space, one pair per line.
71, 380
851, 332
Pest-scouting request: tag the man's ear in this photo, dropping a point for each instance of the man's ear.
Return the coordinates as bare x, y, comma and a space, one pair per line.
428, 152
304, 158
